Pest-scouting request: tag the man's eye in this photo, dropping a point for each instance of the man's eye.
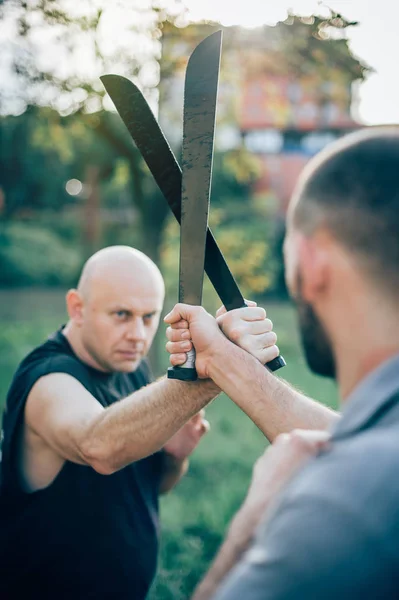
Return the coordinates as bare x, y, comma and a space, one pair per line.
148, 318
121, 314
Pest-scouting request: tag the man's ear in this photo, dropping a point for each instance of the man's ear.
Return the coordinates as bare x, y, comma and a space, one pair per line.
74, 305
313, 265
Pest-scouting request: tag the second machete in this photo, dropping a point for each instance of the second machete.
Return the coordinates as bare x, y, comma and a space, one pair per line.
200, 95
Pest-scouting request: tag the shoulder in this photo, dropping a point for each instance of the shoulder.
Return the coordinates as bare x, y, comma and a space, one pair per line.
358, 469
348, 495
334, 531
53, 356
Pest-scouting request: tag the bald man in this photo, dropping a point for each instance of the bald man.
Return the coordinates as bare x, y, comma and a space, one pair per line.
81, 472
89, 442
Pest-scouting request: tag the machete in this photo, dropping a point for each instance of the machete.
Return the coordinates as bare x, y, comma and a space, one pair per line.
150, 140
200, 96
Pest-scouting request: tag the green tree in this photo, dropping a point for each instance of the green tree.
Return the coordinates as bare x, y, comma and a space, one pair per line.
80, 42
35, 155
94, 37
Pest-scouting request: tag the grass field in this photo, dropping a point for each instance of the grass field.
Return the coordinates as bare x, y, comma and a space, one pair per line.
195, 515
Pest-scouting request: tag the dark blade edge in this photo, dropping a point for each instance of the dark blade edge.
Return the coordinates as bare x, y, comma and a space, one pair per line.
199, 121
142, 126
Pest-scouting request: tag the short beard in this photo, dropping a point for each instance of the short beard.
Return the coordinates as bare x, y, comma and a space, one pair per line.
315, 341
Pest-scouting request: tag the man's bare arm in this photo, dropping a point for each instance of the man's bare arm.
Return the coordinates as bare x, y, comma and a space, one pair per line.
180, 447
272, 471
63, 414
269, 401
273, 405
174, 470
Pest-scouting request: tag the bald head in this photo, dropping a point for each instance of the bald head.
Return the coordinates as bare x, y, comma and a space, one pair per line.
352, 190
114, 313
115, 266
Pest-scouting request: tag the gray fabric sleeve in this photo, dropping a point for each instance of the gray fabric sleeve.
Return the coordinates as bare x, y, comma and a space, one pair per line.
312, 549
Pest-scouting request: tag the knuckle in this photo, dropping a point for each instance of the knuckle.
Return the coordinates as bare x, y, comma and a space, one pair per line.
273, 338
235, 334
176, 335
220, 320
269, 324
171, 335
225, 318
221, 311
257, 313
178, 359
269, 354
262, 312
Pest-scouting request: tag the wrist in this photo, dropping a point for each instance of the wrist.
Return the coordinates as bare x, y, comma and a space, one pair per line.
215, 356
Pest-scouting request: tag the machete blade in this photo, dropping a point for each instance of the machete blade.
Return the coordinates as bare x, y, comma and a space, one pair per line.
200, 95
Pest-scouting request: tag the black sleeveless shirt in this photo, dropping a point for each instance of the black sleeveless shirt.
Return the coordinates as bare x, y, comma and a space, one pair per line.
86, 535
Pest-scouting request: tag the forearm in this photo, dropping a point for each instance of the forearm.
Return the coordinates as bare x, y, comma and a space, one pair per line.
237, 541
270, 402
142, 423
174, 469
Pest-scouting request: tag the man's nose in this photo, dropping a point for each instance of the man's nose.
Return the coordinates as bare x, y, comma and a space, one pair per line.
136, 330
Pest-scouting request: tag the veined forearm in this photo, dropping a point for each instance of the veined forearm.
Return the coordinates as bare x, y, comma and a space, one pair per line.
142, 423
270, 402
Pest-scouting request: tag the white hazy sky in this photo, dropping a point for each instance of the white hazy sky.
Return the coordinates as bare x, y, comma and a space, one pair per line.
375, 40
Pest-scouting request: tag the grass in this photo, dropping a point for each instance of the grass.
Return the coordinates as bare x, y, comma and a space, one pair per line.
195, 515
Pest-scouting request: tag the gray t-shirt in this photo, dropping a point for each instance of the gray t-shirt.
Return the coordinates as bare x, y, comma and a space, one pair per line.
335, 532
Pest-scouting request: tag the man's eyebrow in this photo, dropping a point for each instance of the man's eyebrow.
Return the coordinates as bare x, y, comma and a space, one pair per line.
121, 308
149, 313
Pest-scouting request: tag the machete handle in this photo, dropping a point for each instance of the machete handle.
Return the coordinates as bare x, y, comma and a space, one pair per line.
185, 372
276, 364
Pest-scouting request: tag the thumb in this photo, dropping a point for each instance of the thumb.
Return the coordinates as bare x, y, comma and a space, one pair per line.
250, 302
179, 312
173, 316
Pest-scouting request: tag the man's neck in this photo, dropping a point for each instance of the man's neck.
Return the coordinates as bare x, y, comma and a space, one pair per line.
362, 323
352, 373
75, 342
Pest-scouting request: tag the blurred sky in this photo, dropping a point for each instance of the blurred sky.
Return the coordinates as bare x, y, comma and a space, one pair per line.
375, 40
